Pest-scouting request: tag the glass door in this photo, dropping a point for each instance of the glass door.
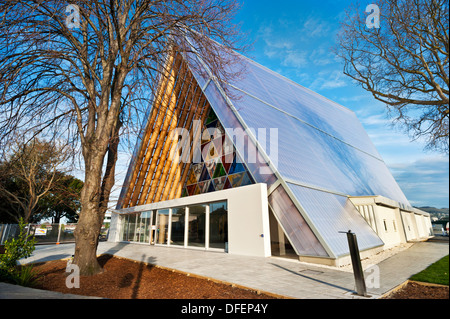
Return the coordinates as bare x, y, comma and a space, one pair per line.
178, 226
143, 227
218, 225
162, 226
196, 226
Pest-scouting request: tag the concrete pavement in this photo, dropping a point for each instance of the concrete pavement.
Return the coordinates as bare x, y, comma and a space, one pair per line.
279, 276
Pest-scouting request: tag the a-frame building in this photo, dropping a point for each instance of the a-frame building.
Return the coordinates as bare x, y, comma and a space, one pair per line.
260, 166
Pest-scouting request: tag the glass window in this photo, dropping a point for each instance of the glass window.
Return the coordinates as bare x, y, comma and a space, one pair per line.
132, 228
196, 227
144, 226
162, 227
124, 230
178, 225
218, 225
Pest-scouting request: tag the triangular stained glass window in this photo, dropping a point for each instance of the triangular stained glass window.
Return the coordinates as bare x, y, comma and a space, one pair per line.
211, 116
191, 189
191, 180
211, 187
236, 179
220, 170
227, 160
204, 186
211, 166
219, 183
227, 184
237, 166
205, 175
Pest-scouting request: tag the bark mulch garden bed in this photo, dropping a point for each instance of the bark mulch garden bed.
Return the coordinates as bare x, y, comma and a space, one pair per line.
418, 290
127, 279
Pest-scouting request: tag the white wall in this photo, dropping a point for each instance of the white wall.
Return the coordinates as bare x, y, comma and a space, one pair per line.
389, 228
248, 217
409, 225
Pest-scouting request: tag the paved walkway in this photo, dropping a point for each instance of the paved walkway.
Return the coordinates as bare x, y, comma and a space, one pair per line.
275, 275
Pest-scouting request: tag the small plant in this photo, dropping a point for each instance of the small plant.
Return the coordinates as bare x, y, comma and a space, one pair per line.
15, 249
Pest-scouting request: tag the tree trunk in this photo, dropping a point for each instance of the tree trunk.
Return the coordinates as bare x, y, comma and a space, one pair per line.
94, 200
90, 220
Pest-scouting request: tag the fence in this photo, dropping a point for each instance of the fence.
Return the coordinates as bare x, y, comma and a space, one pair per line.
46, 233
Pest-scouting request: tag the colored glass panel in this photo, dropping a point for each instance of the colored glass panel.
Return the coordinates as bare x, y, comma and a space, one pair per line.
203, 186
191, 179
197, 169
227, 160
237, 166
191, 189
218, 143
211, 187
211, 116
236, 179
205, 150
205, 175
219, 183
219, 171
211, 166
227, 184
206, 137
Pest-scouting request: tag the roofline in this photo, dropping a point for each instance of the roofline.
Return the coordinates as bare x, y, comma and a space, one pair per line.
385, 201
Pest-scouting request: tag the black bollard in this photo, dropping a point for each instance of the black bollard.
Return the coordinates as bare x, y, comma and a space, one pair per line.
356, 264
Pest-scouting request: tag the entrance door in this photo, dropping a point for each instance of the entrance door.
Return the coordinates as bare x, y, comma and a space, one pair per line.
197, 226
143, 227
162, 226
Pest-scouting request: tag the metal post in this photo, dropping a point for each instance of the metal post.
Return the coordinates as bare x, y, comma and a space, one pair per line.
59, 234
356, 264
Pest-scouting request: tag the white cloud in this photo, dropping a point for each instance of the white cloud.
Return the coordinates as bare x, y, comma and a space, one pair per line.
328, 80
295, 59
315, 27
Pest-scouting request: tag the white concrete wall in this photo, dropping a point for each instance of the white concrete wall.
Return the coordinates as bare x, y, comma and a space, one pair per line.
409, 227
248, 217
410, 224
389, 229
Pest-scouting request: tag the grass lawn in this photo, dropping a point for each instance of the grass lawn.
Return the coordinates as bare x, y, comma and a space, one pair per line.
436, 273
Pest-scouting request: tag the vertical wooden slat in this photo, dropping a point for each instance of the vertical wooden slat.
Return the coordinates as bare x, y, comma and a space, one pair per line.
163, 166
192, 107
173, 146
194, 102
140, 161
146, 171
168, 105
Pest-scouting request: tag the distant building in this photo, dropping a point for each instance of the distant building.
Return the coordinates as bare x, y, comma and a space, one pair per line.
260, 166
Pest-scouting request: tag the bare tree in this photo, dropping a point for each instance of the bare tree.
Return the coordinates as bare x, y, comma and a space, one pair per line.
27, 173
404, 63
91, 72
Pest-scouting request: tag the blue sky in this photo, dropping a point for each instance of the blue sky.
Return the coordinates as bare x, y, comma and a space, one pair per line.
294, 38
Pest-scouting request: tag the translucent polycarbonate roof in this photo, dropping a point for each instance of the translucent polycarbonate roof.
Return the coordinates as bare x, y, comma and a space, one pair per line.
333, 214
320, 143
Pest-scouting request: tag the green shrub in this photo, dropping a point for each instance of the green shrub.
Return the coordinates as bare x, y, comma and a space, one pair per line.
15, 249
